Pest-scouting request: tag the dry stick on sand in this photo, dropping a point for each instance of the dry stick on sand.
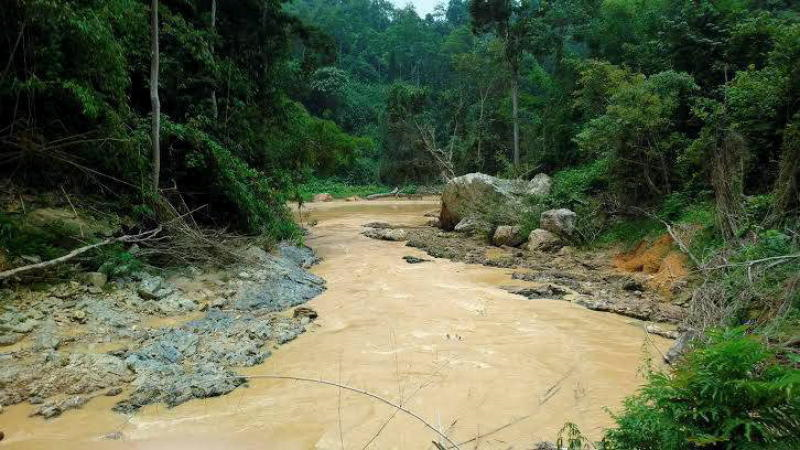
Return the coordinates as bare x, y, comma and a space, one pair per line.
362, 392
127, 238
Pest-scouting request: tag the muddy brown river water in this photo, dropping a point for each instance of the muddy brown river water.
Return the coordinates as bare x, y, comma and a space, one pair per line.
440, 337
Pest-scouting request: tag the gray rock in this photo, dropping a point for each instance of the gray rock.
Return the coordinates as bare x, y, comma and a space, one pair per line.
471, 225
301, 256
114, 436
462, 195
257, 254
540, 185
285, 285
508, 235
543, 240
113, 392
96, 279
153, 288
385, 234
680, 347
414, 260
559, 221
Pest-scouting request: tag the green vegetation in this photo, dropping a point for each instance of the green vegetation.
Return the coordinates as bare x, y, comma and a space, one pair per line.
731, 393
645, 112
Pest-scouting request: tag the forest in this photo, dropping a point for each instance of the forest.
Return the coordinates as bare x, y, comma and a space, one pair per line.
201, 115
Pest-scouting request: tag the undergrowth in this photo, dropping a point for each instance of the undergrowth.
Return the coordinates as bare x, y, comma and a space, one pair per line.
730, 393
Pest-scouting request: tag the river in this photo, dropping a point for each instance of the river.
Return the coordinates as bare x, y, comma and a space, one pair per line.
441, 338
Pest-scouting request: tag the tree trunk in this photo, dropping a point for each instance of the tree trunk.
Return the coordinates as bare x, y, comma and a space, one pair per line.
156, 124
515, 113
786, 192
727, 178
214, 107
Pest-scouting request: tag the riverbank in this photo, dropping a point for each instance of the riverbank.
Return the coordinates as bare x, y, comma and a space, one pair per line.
147, 338
443, 338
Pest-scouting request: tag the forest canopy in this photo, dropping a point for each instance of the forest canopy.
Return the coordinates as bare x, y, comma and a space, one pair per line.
644, 99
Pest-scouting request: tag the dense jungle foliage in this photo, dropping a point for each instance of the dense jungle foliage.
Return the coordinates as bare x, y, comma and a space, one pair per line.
645, 112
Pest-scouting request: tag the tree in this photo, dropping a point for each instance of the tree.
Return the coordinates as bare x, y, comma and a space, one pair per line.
503, 18
154, 99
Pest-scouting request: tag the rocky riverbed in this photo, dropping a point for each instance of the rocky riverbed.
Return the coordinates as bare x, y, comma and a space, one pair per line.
587, 278
149, 338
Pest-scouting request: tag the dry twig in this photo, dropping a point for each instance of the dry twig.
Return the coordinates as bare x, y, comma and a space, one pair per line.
362, 392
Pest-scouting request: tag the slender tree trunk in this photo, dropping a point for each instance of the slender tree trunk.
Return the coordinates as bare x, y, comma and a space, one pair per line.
515, 113
156, 125
214, 107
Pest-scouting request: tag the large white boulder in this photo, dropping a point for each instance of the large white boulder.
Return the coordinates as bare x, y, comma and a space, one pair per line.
559, 221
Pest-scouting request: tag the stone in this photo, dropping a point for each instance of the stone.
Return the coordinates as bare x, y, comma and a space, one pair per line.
470, 225
255, 253
377, 225
324, 197
508, 235
559, 221
113, 392
79, 316
543, 240
414, 260
304, 312
114, 436
385, 234
680, 346
658, 331
96, 279
463, 195
153, 288
540, 185
354, 198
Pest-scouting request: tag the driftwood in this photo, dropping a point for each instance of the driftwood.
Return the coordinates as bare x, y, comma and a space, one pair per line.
44, 264
394, 193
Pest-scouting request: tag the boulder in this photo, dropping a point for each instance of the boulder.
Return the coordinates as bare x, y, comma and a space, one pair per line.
543, 240
385, 234
559, 221
324, 197
96, 279
463, 194
540, 185
508, 235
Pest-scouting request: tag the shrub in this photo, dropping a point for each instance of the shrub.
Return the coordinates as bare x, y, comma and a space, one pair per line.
731, 393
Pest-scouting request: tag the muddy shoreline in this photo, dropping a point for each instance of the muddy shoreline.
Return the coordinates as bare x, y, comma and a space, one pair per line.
148, 338
586, 278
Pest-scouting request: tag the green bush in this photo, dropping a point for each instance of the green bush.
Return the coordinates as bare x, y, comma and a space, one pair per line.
731, 393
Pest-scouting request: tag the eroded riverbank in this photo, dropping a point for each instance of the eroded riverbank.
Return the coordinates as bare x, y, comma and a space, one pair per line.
442, 337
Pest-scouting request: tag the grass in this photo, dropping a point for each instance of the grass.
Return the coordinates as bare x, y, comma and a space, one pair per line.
342, 189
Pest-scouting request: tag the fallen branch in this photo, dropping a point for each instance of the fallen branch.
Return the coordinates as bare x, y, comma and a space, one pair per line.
393, 193
752, 263
362, 392
44, 264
